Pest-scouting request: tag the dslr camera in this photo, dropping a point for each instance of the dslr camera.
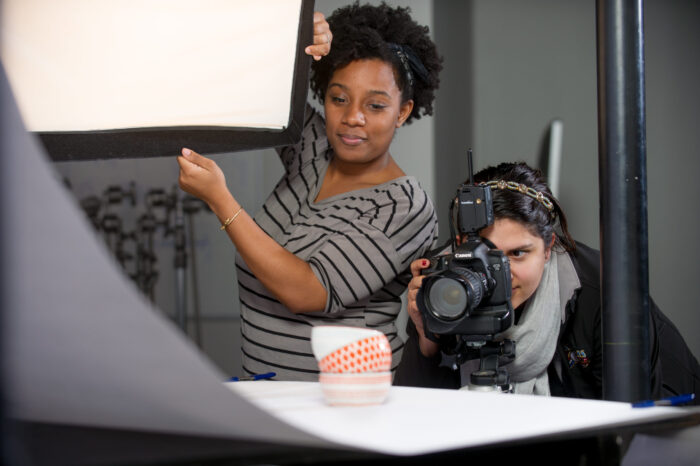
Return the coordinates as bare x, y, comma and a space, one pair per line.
467, 292
464, 299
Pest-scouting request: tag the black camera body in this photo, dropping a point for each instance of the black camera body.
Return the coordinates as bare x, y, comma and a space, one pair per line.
467, 293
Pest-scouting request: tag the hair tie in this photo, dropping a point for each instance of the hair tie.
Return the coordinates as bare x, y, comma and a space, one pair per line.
410, 62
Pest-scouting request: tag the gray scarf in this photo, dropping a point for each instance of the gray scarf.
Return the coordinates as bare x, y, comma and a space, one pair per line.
537, 332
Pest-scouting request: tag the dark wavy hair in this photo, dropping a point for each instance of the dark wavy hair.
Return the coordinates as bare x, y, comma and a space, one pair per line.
365, 32
521, 208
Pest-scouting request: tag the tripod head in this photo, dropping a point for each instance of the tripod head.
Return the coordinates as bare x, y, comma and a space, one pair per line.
490, 376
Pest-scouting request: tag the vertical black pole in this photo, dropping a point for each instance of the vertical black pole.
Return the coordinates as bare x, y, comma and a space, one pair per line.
623, 201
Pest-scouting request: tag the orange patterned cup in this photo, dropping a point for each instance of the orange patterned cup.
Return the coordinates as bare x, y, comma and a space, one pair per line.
371, 354
355, 364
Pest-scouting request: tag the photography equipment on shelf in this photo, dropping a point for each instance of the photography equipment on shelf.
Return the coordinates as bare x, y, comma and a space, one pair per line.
146, 274
112, 225
134, 249
464, 299
92, 205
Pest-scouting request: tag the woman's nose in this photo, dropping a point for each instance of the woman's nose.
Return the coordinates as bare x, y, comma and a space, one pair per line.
354, 117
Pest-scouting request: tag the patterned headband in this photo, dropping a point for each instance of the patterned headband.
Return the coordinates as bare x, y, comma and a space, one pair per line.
523, 189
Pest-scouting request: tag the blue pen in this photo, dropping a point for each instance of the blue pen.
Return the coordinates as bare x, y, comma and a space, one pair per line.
670, 401
267, 375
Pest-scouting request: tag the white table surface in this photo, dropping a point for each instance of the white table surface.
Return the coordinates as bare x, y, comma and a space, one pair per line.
416, 421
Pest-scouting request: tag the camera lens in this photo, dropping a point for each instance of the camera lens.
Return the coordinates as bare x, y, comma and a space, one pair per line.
455, 293
448, 298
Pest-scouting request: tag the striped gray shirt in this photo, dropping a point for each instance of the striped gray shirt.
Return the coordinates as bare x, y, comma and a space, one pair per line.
359, 244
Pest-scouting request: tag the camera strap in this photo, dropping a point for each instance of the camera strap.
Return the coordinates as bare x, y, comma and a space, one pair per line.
440, 250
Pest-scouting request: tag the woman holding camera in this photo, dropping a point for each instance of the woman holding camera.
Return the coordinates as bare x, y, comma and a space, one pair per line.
334, 241
556, 297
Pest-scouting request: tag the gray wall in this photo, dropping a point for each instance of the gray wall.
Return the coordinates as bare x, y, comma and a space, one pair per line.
673, 159
510, 67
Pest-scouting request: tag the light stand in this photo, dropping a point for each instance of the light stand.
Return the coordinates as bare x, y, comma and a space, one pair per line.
191, 206
180, 263
146, 275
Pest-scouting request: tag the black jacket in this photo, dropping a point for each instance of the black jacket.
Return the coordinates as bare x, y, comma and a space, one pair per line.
674, 369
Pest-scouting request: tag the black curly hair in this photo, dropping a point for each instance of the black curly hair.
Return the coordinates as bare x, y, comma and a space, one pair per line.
365, 32
523, 209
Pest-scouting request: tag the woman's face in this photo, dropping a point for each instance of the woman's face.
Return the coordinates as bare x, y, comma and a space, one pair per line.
527, 254
363, 109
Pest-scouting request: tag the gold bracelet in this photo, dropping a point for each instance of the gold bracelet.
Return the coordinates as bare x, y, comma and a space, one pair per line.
231, 219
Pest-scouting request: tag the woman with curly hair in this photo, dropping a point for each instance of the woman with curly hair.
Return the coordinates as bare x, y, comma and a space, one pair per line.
333, 242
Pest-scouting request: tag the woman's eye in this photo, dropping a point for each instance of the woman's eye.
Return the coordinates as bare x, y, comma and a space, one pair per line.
337, 99
377, 106
518, 253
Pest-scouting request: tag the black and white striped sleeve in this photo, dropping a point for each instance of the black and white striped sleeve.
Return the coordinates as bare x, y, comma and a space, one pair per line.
361, 256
